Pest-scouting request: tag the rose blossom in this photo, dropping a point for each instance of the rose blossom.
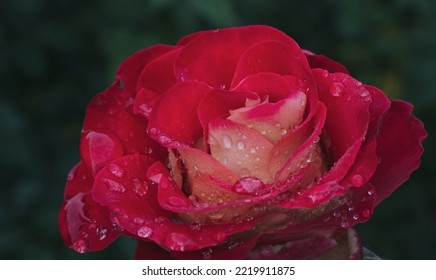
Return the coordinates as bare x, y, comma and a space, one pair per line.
234, 144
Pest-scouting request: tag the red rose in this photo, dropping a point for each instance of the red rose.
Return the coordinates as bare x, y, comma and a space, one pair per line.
233, 144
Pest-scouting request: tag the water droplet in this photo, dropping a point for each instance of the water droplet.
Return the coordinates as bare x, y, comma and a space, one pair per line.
357, 180
336, 89
283, 131
351, 208
80, 246
366, 214
140, 187
370, 192
257, 158
240, 145
345, 224
180, 240
145, 232
355, 216
176, 201
216, 215
248, 185
263, 132
101, 233
138, 221
115, 170
253, 150
114, 186
244, 172
227, 142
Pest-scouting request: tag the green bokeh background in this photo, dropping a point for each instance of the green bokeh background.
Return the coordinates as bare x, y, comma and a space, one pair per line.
56, 54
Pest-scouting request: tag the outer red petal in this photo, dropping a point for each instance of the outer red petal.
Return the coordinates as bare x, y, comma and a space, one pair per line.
323, 62
111, 129
85, 225
79, 180
151, 251
269, 57
130, 68
198, 59
173, 120
233, 250
158, 75
399, 147
347, 121
123, 186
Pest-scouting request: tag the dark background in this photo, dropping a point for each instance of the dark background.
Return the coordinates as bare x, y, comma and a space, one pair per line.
56, 54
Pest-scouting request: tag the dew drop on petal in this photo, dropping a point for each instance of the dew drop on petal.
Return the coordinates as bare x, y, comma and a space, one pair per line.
176, 201
80, 246
116, 170
370, 192
244, 172
114, 186
139, 187
357, 180
227, 142
345, 224
336, 89
355, 216
179, 240
138, 221
144, 232
101, 232
283, 131
240, 145
216, 215
248, 185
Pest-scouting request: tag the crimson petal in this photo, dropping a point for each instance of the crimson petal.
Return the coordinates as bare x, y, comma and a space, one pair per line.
269, 57
85, 225
130, 68
399, 129
323, 62
179, 124
200, 53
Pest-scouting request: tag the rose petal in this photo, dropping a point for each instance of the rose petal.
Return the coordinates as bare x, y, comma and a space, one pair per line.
274, 86
130, 68
379, 106
233, 250
240, 149
323, 62
301, 249
99, 148
348, 104
227, 45
151, 251
111, 129
298, 147
85, 225
179, 125
269, 57
218, 103
158, 75
273, 120
79, 180
399, 130
123, 186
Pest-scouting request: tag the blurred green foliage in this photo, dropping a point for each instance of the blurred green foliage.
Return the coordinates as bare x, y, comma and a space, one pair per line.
56, 54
